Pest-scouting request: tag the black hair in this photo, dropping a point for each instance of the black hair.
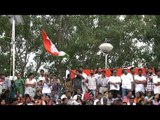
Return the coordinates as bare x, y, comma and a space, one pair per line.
123, 70
131, 68
30, 74
157, 70
139, 70
41, 70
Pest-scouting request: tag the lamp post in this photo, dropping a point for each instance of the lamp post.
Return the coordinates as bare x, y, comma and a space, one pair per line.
106, 48
14, 19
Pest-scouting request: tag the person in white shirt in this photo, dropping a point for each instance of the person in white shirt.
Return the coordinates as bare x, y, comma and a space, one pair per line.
127, 81
140, 81
42, 75
30, 85
156, 81
84, 75
98, 75
114, 82
46, 89
92, 83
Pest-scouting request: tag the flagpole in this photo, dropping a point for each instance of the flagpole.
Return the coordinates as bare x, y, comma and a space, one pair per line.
13, 45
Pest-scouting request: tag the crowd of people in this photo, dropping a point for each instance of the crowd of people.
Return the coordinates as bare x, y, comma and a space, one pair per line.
93, 89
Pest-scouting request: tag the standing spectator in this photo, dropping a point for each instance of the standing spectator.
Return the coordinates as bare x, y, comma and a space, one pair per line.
6, 84
98, 75
42, 76
103, 82
19, 84
84, 76
1, 81
77, 81
68, 83
91, 80
140, 81
30, 85
132, 73
156, 81
46, 86
149, 78
114, 82
127, 81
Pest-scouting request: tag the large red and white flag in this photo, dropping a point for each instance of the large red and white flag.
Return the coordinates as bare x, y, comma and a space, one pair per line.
50, 47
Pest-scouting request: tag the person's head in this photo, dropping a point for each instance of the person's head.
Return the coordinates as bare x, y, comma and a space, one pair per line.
99, 95
53, 92
156, 96
138, 94
40, 83
131, 99
158, 72
39, 92
65, 101
99, 70
118, 102
18, 75
79, 91
150, 71
19, 99
129, 94
86, 90
114, 72
103, 72
105, 93
124, 103
125, 71
110, 95
78, 72
27, 98
92, 72
31, 76
140, 72
3, 102
90, 102
81, 68
2, 77
47, 97
149, 93
91, 96
68, 94
98, 103
42, 72
69, 77
104, 101
142, 96
132, 70
146, 70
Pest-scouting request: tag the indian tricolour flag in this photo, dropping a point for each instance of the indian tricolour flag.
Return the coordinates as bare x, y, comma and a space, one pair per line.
50, 47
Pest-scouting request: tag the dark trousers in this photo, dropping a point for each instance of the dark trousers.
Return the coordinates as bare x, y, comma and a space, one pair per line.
114, 93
